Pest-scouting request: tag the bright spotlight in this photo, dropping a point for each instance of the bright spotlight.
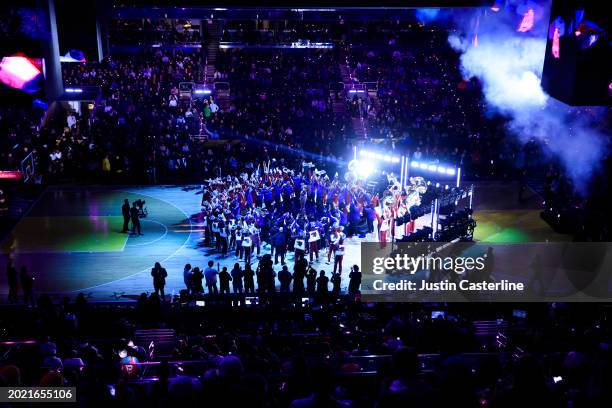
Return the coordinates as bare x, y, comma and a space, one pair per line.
364, 168
414, 163
450, 171
432, 167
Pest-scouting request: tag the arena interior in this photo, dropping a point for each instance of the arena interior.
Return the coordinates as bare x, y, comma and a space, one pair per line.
305, 204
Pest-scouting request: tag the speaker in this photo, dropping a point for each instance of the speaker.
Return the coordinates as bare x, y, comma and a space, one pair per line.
576, 68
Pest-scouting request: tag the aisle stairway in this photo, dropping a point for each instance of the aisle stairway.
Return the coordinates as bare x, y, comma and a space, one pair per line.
359, 127
214, 36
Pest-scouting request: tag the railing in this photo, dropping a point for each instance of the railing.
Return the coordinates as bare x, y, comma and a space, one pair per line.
28, 167
371, 86
222, 86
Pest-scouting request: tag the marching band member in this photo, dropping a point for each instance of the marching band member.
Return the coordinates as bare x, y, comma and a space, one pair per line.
223, 237
239, 235
338, 257
313, 241
247, 244
385, 225
232, 227
215, 232
335, 239
300, 244
255, 237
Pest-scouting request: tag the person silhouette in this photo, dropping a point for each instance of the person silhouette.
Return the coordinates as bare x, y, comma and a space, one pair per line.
159, 275
125, 211
224, 281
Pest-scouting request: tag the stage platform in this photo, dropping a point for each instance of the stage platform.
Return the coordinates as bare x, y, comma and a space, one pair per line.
71, 239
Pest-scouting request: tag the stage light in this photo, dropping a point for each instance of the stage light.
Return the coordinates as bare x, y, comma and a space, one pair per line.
441, 170
432, 167
450, 171
364, 168
526, 22
414, 164
202, 91
18, 71
423, 166
555, 44
379, 156
74, 90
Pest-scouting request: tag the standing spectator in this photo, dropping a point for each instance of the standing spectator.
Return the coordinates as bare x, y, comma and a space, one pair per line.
187, 277
210, 274
237, 275
322, 282
354, 280
249, 282
311, 280
299, 273
224, 281
12, 280
27, 285
159, 275
336, 279
125, 211
284, 276
196, 281
106, 168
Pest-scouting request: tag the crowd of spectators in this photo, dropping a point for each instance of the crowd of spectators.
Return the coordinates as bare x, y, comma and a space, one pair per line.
278, 354
140, 126
432, 110
146, 32
278, 32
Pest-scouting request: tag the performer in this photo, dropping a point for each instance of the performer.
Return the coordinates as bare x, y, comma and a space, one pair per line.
232, 233
223, 232
313, 241
278, 244
300, 246
338, 257
239, 249
335, 239
247, 245
255, 237
216, 233
385, 225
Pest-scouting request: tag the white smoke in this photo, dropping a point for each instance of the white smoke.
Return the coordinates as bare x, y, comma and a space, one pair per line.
509, 66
